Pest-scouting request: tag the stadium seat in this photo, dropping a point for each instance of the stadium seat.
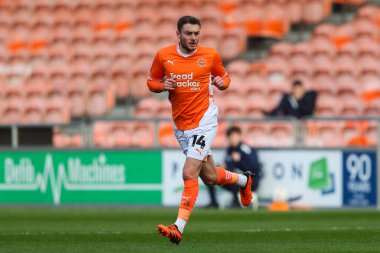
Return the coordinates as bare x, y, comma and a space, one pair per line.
347, 50
324, 31
370, 49
343, 34
327, 106
231, 44
147, 107
120, 134
164, 109
351, 108
256, 134
78, 101
12, 113
325, 85
142, 134
277, 69
346, 66
99, 97
371, 108
323, 134
166, 136
314, 11
32, 114
367, 12
282, 49
255, 84
255, 106
365, 29
220, 140
371, 132
294, 8
57, 111
281, 134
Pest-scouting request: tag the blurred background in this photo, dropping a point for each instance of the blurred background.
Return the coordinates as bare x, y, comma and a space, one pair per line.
79, 125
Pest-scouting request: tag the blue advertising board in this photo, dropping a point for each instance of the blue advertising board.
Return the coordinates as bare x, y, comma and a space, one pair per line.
359, 179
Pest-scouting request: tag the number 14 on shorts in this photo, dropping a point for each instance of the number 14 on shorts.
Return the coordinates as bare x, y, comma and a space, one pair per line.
199, 140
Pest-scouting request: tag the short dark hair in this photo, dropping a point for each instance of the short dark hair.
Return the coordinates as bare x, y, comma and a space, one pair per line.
297, 83
187, 20
233, 129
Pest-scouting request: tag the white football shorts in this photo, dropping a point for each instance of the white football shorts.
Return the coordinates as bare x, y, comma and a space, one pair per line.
196, 143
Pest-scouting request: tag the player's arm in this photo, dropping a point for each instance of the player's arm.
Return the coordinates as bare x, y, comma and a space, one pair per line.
157, 82
221, 79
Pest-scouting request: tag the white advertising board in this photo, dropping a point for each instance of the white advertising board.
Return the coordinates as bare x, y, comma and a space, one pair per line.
309, 178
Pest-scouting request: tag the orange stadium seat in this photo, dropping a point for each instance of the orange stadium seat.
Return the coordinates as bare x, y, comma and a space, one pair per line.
233, 107
315, 11
282, 49
57, 111
343, 34
322, 133
367, 12
372, 108
324, 31
102, 94
370, 49
256, 134
346, 86
371, 132
322, 47
147, 107
351, 108
142, 134
78, 100
164, 109
120, 134
348, 50
231, 44
277, 68
12, 113
220, 140
255, 84
281, 134
255, 106
120, 80
166, 136
327, 106
32, 114
325, 85
276, 22
138, 85
294, 8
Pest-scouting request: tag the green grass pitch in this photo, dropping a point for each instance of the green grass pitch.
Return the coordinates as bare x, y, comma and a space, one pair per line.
56, 230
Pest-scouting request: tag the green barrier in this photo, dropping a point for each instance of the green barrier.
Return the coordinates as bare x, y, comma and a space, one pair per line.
92, 177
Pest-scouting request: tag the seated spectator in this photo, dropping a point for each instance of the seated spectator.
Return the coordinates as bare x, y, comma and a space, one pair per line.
299, 103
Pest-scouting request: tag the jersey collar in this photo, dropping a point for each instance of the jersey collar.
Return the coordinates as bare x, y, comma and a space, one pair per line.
184, 54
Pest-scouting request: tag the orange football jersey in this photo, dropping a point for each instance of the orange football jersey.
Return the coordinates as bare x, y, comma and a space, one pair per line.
193, 74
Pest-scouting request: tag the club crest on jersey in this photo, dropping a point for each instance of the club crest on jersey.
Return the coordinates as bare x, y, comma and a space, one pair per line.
201, 62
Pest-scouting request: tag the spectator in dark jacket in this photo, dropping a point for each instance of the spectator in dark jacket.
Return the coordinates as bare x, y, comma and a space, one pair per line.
299, 103
239, 157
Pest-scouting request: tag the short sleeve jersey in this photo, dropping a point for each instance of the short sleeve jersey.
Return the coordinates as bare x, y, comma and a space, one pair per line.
191, 97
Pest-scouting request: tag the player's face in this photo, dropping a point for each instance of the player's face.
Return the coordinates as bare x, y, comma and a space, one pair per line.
188, 37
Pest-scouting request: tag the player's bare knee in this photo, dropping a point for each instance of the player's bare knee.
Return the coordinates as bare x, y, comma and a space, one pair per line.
188, 175
210, 181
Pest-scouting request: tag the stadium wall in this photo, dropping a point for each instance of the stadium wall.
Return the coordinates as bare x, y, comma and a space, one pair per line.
330, 178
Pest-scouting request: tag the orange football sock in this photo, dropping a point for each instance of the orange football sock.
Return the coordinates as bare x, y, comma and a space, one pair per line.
226, 177
189, 196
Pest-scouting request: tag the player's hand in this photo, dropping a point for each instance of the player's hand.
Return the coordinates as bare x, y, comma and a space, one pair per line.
169, 84
218, 82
